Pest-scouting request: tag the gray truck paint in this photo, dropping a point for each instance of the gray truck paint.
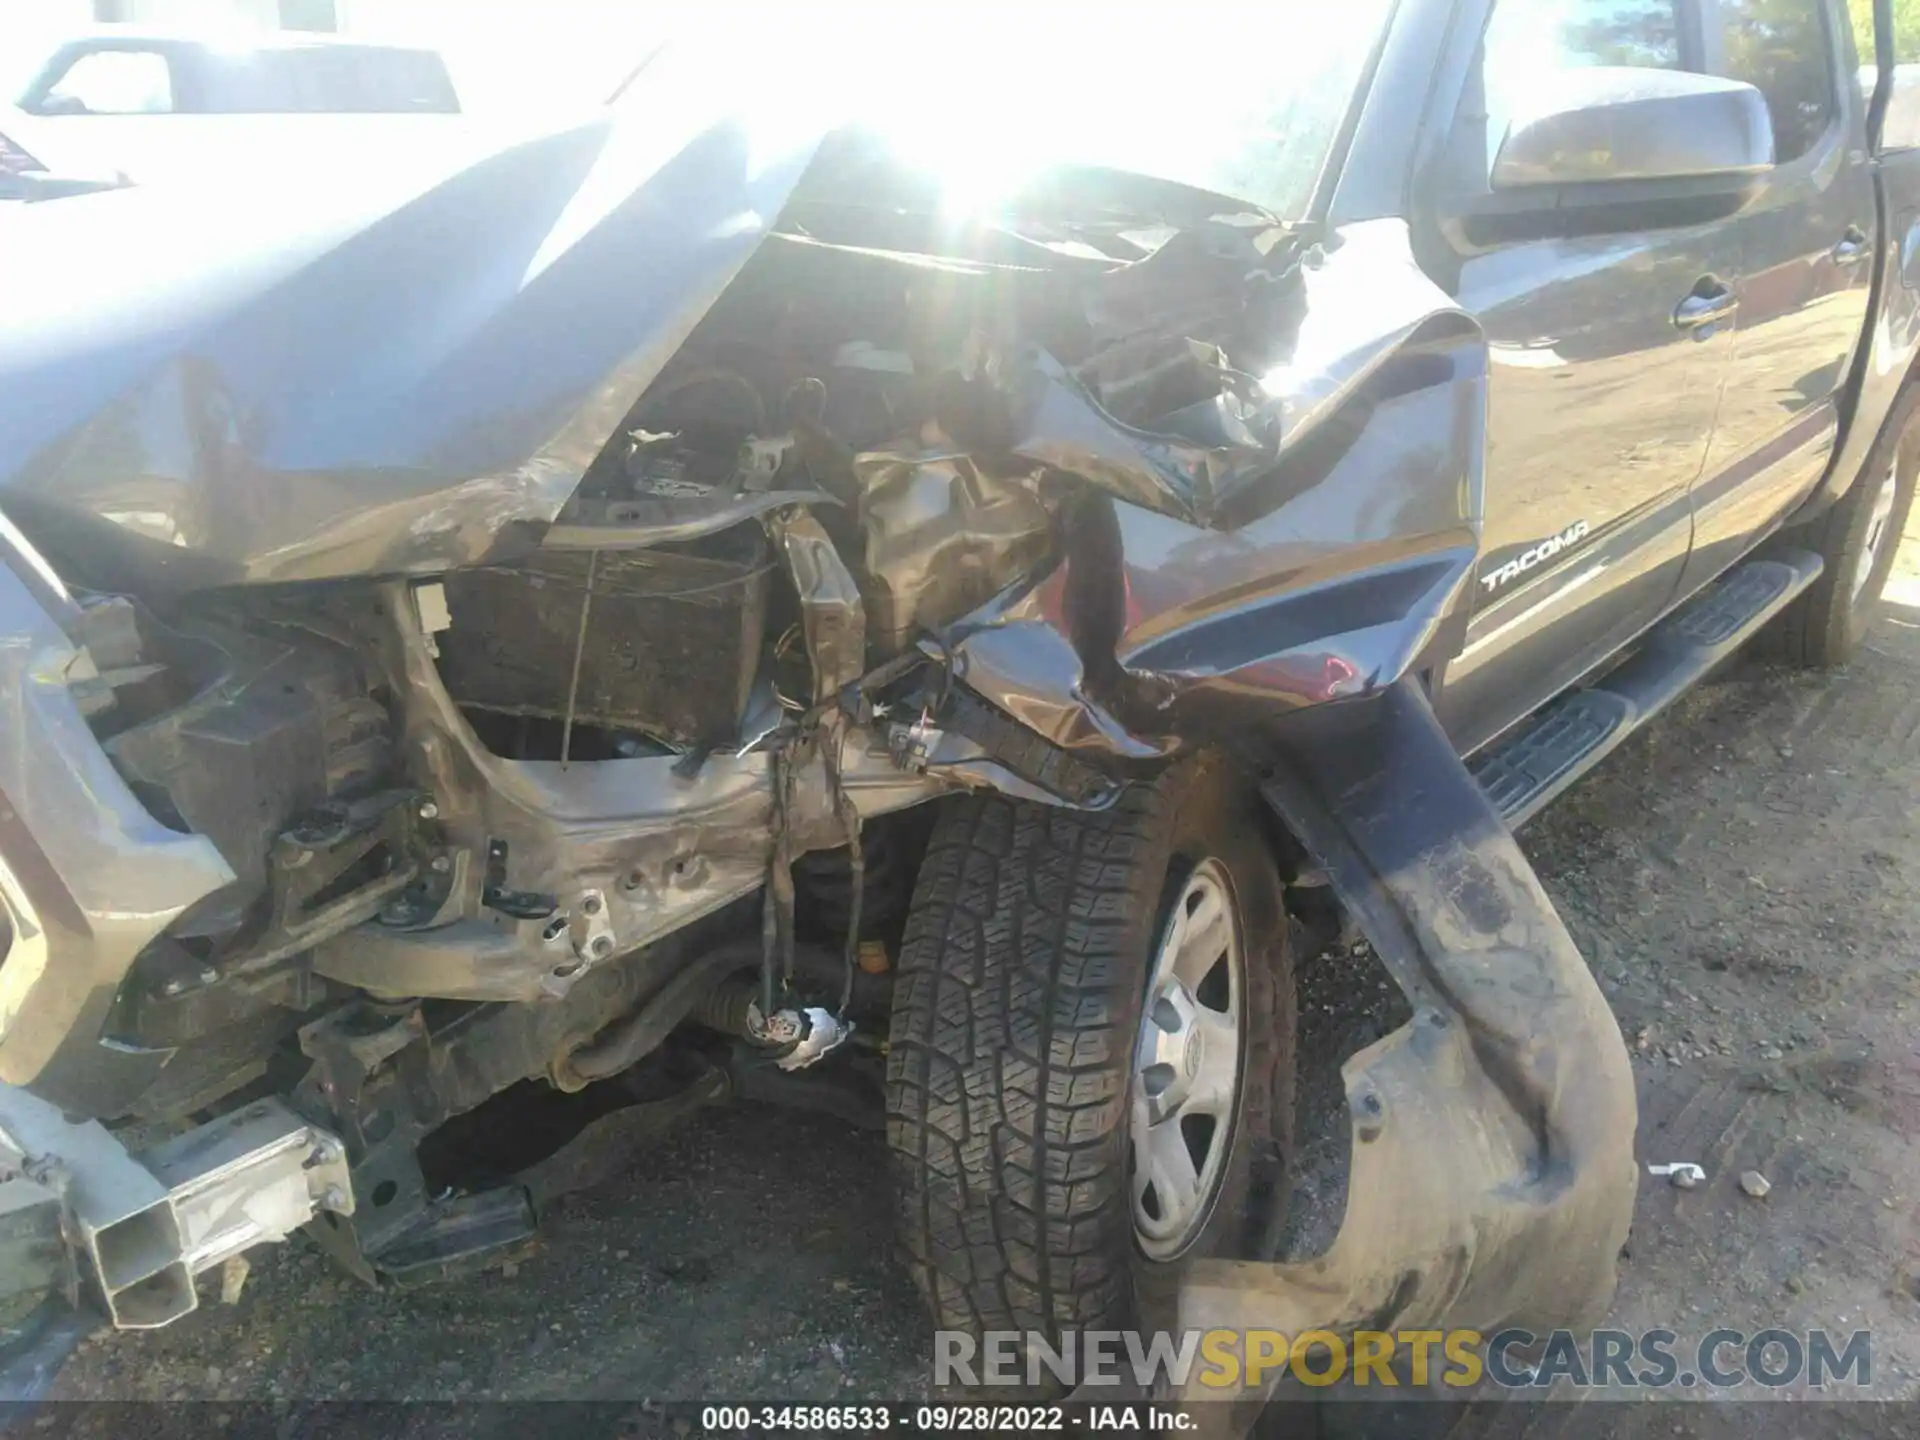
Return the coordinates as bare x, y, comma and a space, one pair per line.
441, 416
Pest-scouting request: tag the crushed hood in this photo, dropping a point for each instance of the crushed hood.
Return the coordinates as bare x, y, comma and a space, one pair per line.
290, 378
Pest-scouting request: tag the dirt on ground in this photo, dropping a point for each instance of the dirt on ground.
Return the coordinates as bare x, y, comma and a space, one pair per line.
1745, 880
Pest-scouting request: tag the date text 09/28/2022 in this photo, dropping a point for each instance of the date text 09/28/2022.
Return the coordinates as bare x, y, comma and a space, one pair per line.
962, 1419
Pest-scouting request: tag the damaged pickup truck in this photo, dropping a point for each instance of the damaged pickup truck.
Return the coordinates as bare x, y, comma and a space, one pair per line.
733, 599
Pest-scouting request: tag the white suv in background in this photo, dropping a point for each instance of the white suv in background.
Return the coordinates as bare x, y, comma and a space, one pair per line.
118, 106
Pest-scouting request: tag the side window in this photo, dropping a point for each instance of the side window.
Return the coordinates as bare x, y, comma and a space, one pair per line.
247, 82
1783, 47
112, 82
1528, 42
329, 80
1901, 128
338, 80
416, 82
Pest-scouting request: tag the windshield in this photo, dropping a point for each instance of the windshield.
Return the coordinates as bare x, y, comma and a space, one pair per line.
1238, 100
1248, 105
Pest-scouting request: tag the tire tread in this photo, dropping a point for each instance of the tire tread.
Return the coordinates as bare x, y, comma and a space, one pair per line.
1010, 1048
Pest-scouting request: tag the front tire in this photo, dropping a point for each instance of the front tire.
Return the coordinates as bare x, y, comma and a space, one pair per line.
1052, 1042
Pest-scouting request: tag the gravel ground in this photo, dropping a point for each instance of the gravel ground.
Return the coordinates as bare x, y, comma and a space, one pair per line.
1745, 879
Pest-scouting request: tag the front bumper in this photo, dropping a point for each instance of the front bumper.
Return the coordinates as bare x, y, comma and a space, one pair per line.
87, 877
87, 880
130, 1231
1493, 1175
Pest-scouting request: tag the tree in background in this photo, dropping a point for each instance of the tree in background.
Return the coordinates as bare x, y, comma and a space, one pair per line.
1906, 28
1637, 33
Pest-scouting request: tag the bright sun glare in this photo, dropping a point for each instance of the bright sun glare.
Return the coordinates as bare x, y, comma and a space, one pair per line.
987, 96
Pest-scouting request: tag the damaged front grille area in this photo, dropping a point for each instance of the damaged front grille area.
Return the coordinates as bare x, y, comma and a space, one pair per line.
890, 523
930, 413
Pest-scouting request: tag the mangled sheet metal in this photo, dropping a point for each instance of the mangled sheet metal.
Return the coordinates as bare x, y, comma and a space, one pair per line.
942, 535
1278, 590
1320, 564
1493, 1174
1034, 505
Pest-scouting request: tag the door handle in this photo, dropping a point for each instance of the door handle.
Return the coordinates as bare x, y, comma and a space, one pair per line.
1709, 304
1852, 248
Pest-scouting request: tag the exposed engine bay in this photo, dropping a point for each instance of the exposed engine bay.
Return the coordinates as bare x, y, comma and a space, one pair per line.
1031, 506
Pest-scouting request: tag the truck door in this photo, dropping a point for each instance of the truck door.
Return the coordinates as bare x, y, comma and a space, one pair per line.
1807, 243
1609, 344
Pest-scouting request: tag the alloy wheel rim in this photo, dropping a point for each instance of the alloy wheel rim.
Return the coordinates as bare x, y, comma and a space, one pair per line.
1187, 1066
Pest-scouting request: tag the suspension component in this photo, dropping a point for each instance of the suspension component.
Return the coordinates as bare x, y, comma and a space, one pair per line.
796, 1037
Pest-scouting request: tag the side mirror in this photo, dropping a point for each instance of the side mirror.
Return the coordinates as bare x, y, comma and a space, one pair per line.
1612, 123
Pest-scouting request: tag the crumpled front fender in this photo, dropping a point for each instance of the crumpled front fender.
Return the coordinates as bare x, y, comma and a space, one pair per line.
1493, 1175
1324, 570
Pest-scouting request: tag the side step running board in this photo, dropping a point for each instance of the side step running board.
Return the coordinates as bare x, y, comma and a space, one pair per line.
1567, 738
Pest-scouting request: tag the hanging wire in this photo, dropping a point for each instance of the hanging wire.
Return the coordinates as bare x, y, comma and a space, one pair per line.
579, 654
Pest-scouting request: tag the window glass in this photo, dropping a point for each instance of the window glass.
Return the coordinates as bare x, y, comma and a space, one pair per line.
1531, 37
1901, 129
1259, 127
1782, 46
417, 81
248, 82
112, 82
328, 80
1906, 29
336, 80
